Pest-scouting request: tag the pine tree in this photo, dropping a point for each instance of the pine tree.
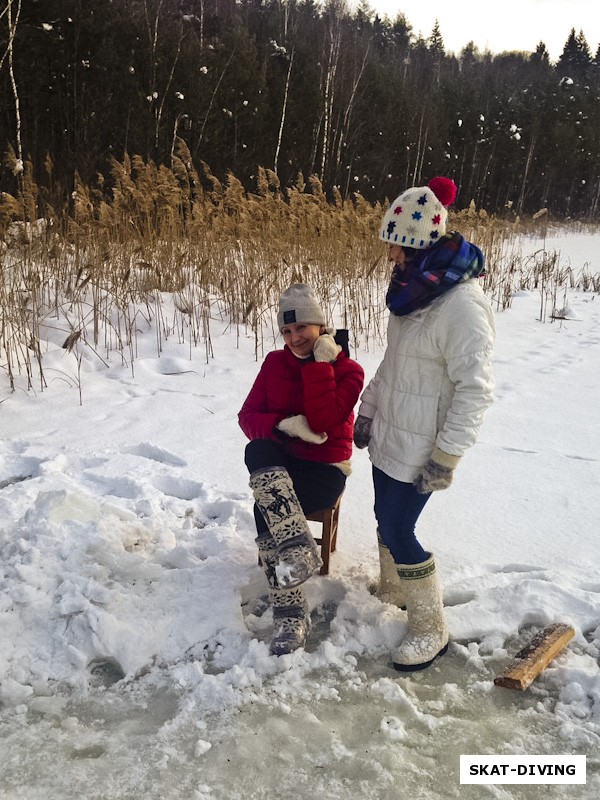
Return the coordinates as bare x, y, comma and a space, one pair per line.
302, 85
541, 55
576, 57
436, 42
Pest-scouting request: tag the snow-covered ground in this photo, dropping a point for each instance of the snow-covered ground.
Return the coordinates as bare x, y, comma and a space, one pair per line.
134, 659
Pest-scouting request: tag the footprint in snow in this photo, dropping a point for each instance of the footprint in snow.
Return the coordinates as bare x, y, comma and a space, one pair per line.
181, 488
517, 568
15, 467
594, 588
155, 453
13, 479
519, 450
458, 598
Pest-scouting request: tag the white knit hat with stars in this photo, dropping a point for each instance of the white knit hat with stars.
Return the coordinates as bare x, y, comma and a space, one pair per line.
417, 218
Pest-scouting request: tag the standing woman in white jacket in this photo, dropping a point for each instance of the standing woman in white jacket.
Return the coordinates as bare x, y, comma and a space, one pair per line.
425, 404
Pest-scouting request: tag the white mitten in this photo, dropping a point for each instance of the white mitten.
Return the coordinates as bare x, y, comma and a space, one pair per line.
326, 348
298, 427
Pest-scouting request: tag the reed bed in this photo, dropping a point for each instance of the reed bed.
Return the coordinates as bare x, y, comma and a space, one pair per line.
88, 274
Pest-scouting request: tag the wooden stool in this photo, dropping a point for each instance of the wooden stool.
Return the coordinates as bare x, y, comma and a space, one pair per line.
329, 517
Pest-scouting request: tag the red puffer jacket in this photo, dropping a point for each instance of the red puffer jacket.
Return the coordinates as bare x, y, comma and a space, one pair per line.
325, 393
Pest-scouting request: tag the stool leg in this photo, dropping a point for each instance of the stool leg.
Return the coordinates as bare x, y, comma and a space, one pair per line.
334, 526
326, 541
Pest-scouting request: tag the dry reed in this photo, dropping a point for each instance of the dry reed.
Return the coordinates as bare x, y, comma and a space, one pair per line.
93, 272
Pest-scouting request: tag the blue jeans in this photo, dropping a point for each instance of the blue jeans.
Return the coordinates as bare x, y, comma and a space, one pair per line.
397, 509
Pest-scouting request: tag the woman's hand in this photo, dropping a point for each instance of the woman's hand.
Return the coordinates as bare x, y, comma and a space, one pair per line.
298, 427
437, 473
326, 348
362, 431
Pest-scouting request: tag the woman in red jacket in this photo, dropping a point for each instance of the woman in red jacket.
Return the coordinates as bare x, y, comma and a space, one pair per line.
299, 417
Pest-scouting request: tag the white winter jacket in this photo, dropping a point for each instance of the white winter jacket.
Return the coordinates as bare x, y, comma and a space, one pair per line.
434, 383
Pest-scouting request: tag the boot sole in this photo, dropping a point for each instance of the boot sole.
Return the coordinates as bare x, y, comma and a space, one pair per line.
285, 648
419, 667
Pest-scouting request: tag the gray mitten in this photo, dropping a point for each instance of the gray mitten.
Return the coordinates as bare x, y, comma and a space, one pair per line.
437, 472
362, 431
298, 427
326, 348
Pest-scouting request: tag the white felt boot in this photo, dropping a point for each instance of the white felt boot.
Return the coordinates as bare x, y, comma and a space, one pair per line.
427, 635
390, 586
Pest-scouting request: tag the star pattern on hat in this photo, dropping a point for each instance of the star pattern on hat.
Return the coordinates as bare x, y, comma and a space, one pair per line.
416, 218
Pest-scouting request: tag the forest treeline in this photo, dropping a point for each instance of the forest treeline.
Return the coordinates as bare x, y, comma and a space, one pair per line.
293, 86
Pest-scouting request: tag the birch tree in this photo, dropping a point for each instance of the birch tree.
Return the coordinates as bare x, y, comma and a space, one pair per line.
159, 89
11, 14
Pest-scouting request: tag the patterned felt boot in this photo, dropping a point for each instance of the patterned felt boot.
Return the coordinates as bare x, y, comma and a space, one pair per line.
297, 551
390, 586
427, 636
291, 620
267, 551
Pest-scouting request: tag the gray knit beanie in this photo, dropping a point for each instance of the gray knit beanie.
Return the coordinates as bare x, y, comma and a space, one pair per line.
299, 304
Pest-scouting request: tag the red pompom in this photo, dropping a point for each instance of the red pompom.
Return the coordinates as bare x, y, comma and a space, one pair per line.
444, 189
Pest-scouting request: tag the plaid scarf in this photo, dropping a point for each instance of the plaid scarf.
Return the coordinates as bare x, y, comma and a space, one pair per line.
432, 272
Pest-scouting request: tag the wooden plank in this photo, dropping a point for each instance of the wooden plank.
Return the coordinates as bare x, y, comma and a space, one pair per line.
532, 659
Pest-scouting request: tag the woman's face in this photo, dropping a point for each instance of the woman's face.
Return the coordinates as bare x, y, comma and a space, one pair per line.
300, 337
400, 256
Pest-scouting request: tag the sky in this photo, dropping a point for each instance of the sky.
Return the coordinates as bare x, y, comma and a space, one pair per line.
499, 26
134, 632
